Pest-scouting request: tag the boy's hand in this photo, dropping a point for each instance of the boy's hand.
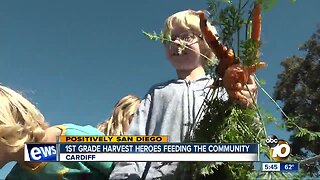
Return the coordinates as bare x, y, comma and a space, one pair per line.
240, 85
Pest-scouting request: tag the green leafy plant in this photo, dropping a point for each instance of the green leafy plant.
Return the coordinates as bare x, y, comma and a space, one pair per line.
221, 121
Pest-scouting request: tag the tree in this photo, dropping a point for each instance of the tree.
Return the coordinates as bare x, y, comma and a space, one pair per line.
298, 87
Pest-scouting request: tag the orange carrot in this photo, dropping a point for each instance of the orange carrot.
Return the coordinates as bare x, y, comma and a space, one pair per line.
237, 77
225, 55
256, 22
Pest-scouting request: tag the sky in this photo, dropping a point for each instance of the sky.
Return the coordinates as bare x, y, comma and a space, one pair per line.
75, 59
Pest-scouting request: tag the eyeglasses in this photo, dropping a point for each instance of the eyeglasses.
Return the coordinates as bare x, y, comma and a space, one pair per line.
186, 38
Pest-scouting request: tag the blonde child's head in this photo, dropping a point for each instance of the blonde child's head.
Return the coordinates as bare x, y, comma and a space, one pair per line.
121, 117
189, 20
20, 121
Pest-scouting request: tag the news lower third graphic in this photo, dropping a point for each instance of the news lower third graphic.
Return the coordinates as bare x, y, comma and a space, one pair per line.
158, 152
137, 148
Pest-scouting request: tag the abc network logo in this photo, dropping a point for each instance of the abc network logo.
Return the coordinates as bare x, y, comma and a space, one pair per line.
279, 148
40, 152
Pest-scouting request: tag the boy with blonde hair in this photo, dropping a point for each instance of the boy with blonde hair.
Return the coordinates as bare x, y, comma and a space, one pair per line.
21, 122
170, 107
121, 116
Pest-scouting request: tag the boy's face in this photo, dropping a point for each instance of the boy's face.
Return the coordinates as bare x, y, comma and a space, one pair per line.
179, 56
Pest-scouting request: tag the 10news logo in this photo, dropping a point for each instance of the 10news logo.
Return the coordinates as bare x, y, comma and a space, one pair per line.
279, 148
40, 152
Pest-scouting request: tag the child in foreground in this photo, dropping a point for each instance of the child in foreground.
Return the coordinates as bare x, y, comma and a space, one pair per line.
170, 107
21, 122
121, 117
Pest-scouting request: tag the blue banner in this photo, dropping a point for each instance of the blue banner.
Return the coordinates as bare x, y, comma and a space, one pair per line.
284, 166
156, 148
40, 152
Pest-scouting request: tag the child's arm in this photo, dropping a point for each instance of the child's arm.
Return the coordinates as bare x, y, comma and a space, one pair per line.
100, 167
127, 170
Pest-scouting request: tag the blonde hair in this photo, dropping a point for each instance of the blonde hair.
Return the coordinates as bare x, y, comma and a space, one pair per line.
189, 20
20, 120
123, 110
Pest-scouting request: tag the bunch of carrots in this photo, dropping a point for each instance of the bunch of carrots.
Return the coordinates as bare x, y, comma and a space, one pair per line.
232, 79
